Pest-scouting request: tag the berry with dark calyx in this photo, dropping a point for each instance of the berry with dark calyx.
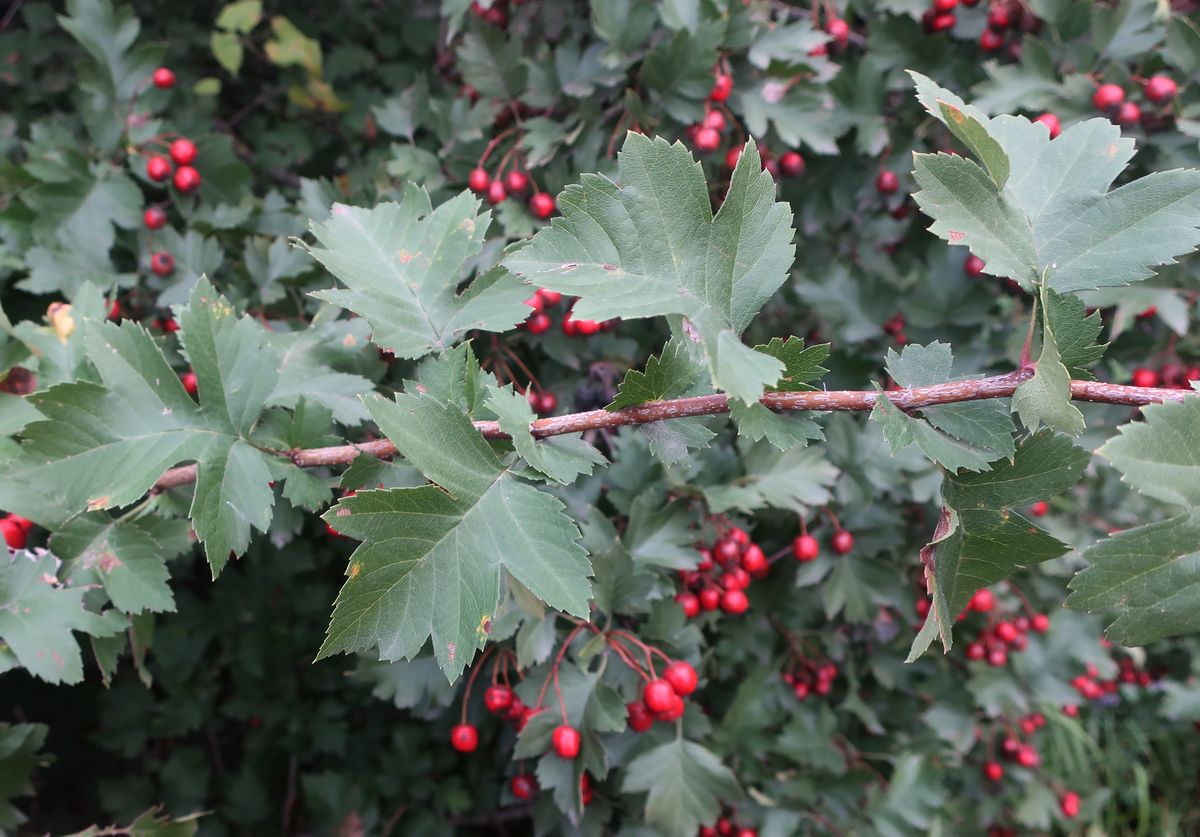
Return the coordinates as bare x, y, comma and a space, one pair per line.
1108, 97
1128, 114
190, 386
722, 87
1039, 509
186, 179
541, 204
887, 182
839, 30
1069, 805
158, 168
990, 40
183, 151
842, 542
1143, 377
753, 560
162, 263
155, 217
1040, 623
690, 604
524, 787
538, 323
1051, 122
478, 181
498, 699
464, 738
638, 716
163, 78
516, 182
496, 193
707, 140
1160, 88
734, 602
565, 740
983, 600
682, 677
658, 696
805, 548
993, 771
791, 164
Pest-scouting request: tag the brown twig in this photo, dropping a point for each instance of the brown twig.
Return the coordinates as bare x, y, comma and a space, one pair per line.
998, 386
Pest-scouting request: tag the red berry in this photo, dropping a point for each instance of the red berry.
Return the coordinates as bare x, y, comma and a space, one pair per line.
990, 40
188, 379
983, 601
682, 677
722, 87
735, 579
672, 712
162, 263
738, 535
524, 786
155, 217
753, 560
1040, 623
710, 598
706, 140
724, 827
1069, 805
943, 6
791, 164
1160, 88
1107, 97
993, 772
464, 738
714, 119
586, 328
942, 23
535, 302
1010, 745
805, 548
496, 193
732, 156
1143, 377
1028, 726
658, 695
1070, 710
1039, 509
187, 179
998, 18
498, 698
1051, 122
842, 542
537, 323
163, 78
183, 151
976, 651
689, 603
800, 690
887, 182
1027, 756
158, 168
922, 607
734, 602
1128, 114
541, 204
13, 534
565, 740
747, 831
547, 403
23, 523
639, 716
516, 182
839, 30
1006, 632
549, 297
726, 551
997, 657
478, 181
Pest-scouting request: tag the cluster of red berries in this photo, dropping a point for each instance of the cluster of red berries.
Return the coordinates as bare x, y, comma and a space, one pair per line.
939, 17
726, 827
176, 165
1170, 375
539, 322
1000, 636
14, 530
499, 189
662, 697
706, 135
502, 701
807, 677
1006, 23
739, 560
1110, 99
895, 328
496, 14
542, 401
1024, 754
806, 548
1091, 687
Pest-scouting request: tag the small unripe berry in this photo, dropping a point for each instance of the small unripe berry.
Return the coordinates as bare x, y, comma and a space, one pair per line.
163, 78
464, 738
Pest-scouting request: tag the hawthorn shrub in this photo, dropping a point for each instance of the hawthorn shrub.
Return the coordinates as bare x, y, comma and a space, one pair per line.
705, 409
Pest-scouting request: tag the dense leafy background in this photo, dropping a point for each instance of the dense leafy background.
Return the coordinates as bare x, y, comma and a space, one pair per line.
325, 122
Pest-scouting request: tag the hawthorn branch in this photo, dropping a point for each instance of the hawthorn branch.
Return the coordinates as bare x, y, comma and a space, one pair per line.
998, 386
